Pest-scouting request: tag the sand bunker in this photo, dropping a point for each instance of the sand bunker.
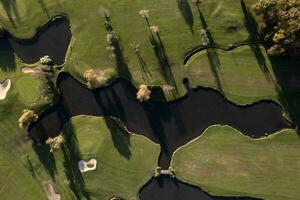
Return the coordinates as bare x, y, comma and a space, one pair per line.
28, 70
4, 87
87, 166
51, 194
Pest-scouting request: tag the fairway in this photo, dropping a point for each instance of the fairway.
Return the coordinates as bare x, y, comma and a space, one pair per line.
121, 170
29, 89
227, 163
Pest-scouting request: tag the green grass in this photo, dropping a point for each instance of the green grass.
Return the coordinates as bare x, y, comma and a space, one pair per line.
29, 89
226, 163
89, 35
122, 168
245, 74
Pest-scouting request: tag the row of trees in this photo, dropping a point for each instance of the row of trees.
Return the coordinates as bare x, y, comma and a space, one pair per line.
282, 25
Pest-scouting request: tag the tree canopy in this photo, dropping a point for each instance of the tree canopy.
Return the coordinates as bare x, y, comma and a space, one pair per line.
282, 25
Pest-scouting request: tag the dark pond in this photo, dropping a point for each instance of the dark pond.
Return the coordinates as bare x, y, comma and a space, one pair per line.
166, 188
170, 124
52, 39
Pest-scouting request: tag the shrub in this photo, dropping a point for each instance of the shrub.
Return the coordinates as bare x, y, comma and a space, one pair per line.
27, 117
45, 60
144, 93
172, 172
144, 13
157, 172
95, 78
55, 143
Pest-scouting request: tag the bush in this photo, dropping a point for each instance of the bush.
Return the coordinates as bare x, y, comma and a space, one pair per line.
27, 117
95, 78
157, 172
55, 143
172, 172
45, 60
144, 93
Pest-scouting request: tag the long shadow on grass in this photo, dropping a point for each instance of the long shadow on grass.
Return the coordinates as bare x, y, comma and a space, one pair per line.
187, 13
46, 158
7, 61
72, 155
164, 64
122, 67
142, 64
287, 73
255, 40
11, 9
212, 53
44, 8
119, 137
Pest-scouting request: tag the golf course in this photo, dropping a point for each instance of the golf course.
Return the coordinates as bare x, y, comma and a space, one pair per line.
149, 100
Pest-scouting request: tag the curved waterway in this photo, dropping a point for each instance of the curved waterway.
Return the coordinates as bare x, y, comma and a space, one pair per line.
52, 39
166, 188
169, 124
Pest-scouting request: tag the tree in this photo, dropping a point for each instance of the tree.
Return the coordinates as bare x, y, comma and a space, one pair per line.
45, 60
154, 29
135, 46
55, 143
27, 117
145, 14
282, 25
144, 93
197, 2
95, 78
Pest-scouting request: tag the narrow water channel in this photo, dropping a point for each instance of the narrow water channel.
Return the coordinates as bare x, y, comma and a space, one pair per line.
166, 188
53, 39
169, 124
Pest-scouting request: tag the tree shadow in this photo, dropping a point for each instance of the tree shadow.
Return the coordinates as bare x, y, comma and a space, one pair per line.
72, 156
205, 26
122, 68
255, 39
287, 73
10, 9
215, 64
212, 53
165, 67
187, 13
142, 64
46, 158
7, 61
155, 121
120, 138
178, 119
43, 6
30, 167
250, 24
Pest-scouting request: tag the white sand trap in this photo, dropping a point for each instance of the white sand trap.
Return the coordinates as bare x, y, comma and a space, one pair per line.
4, 87
51, 194
28, 70
87, 166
